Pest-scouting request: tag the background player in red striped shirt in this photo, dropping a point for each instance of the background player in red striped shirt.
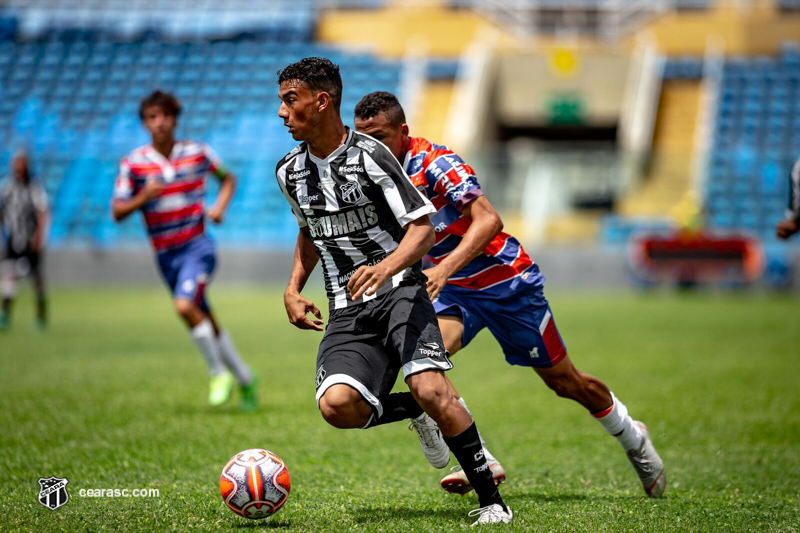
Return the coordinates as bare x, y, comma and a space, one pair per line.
483, 277
166, 181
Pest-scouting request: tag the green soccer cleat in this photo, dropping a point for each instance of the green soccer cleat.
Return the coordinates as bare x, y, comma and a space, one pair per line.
4, 320
249, 402
220, 388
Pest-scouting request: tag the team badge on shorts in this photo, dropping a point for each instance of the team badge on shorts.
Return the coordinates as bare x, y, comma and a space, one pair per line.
320, 376
53, 492
351, 192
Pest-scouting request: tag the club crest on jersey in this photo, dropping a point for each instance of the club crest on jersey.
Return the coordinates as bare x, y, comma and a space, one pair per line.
53, 492
351, 192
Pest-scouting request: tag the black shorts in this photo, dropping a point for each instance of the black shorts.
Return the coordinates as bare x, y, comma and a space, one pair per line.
366, 346
28, 256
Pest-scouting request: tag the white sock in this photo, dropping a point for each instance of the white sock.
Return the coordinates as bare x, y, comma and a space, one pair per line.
232, 359
616, 422
489, 457
206, 341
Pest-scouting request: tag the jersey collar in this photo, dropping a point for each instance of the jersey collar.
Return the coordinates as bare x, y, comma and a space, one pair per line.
336, 153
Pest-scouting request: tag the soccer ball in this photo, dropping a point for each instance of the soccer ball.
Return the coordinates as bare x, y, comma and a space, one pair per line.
255, 483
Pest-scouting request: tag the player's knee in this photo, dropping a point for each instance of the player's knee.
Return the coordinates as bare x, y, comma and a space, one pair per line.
338, 408
185, 308
429, 393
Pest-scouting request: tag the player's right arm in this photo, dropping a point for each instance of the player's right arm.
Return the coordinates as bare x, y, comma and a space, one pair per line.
791, 223
297, 306
125, 201
305, 259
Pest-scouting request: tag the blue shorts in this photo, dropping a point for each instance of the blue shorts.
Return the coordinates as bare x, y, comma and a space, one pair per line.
188, 269
522, 323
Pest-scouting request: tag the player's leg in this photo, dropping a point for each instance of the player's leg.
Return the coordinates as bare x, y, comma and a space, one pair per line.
9, 289
568, 382
355, 376
186, 274
432, 392
242, 373
526, 329
37, 276
352, 371
414, 335
451, 314
204, 261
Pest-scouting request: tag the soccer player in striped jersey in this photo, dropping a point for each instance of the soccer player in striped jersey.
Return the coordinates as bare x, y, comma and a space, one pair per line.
24, 221
791, 222
166, 181
360, 214
483, 278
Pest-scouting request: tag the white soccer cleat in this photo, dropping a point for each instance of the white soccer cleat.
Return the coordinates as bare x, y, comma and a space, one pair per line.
648, 465
492, 514
431, 440
456, 481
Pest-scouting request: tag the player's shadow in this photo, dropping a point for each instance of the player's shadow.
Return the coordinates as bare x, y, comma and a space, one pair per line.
382, 513
263, 524
203, 410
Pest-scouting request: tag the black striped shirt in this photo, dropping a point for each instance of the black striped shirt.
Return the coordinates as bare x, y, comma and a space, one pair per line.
355, 204
793, 210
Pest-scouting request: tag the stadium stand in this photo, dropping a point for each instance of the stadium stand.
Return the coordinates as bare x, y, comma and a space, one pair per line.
756, 139
72, 97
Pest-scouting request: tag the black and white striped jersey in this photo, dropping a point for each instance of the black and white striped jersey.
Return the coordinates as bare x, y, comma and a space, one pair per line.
793, 211
355, 204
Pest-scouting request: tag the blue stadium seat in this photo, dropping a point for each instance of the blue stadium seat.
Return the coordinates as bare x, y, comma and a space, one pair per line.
756, 138
75, 97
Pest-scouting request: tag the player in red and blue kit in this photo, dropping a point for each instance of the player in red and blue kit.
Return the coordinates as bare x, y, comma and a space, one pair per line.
166, 181
483, 278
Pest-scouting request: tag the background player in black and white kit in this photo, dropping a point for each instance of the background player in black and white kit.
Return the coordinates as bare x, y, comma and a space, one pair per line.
24, 215
791, 222
358, 212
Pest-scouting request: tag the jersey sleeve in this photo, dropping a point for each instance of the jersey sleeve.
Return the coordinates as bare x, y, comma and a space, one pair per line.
405, 201
39, 198
453, 179
280, 174
793, 210
214, 162
124, 186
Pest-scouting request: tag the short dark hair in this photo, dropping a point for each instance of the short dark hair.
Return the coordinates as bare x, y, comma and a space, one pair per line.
381, 101
319, 73
164, 100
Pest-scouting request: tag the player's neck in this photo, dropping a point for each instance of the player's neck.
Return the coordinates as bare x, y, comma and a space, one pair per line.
332, 134
164, 148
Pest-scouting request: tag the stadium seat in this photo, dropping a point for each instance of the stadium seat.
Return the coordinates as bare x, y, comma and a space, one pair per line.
73, 95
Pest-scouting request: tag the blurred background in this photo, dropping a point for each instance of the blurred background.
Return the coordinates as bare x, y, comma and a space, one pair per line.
624, 142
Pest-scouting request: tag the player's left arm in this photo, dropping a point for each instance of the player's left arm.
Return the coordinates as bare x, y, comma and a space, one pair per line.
416, 242
227, 186
410, 208
42, 220
485, 226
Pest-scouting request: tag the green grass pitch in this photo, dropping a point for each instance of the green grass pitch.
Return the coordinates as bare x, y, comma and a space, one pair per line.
113, 396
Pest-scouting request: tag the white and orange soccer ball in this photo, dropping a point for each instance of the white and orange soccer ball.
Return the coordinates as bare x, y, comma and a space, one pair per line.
255, 483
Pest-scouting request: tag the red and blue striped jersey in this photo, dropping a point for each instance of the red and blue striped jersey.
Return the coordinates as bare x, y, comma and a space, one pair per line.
176, 215
450, 184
